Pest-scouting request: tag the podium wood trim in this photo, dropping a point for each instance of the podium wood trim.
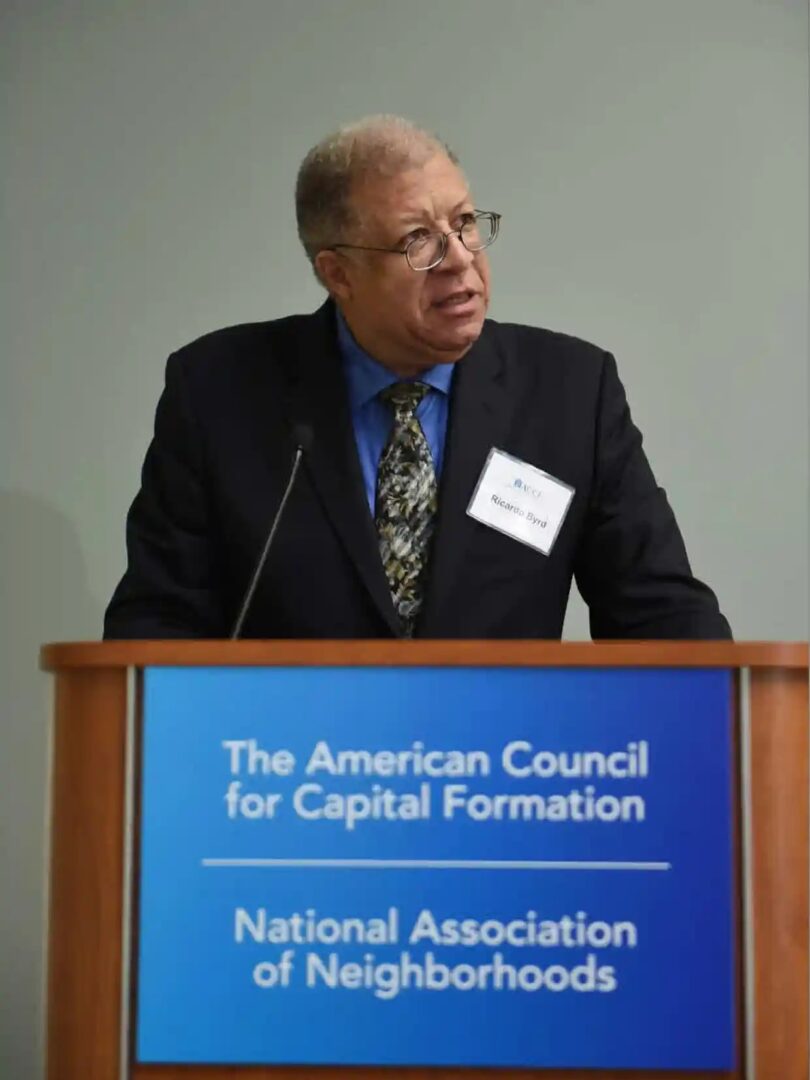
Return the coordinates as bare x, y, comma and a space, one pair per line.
86, 895
754, 654
779, 816
87, 873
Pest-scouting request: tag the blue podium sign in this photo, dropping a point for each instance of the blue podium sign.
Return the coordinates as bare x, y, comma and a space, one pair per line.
437, 866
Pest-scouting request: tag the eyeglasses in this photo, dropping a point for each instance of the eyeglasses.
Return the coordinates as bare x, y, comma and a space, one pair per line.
427, 250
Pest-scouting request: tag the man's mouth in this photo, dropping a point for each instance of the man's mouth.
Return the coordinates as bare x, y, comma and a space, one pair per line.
456, 299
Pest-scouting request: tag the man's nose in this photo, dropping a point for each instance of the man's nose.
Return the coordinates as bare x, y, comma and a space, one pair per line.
456, 257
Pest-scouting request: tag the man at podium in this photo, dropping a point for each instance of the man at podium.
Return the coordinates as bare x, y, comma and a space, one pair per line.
395, 464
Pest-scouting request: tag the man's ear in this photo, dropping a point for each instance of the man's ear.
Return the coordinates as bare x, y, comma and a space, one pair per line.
331, 270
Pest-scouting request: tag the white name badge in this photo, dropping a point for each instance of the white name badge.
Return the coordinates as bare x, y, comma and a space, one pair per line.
521, 501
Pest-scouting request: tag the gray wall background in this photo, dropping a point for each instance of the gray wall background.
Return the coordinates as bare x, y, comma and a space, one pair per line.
650, 159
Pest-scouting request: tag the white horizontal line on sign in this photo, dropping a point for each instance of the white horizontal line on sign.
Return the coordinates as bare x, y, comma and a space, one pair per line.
433, 864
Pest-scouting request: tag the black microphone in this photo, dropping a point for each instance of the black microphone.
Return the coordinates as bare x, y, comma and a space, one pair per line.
302, 437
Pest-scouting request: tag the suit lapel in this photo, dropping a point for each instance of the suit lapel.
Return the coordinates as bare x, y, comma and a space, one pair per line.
317, 397
479, 418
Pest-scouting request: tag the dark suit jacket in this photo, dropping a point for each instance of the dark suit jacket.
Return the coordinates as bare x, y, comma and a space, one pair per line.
221, 456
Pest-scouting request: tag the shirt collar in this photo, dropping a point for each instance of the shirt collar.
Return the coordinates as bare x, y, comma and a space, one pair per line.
366, 377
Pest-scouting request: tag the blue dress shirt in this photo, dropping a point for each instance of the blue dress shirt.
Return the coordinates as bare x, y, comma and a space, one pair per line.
372, 419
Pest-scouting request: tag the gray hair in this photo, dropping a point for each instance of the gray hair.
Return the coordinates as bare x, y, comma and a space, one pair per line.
375, 146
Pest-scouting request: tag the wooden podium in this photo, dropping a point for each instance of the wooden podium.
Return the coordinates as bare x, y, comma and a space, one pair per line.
94, 826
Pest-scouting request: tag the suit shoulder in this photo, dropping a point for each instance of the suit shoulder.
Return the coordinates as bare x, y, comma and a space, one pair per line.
531, 345
239, 342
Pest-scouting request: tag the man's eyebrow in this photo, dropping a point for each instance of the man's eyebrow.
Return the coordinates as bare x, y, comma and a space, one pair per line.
418, 217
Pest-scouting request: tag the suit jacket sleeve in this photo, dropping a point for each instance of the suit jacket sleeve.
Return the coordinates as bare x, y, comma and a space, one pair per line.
168, 590
631, 568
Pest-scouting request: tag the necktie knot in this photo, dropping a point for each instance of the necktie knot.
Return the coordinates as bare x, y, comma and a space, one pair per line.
404, 398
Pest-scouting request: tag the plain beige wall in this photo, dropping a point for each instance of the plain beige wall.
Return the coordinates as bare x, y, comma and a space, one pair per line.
650, 160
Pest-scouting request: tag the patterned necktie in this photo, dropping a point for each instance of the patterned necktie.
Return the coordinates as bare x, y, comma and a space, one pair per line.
406, 502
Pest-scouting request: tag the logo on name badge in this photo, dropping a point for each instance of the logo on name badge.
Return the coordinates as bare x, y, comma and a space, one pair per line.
520, 500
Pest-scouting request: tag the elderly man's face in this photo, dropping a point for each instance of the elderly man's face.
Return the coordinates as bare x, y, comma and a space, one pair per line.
410, 320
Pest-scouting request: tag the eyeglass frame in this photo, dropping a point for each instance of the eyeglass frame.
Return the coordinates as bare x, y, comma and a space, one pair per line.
445, 237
